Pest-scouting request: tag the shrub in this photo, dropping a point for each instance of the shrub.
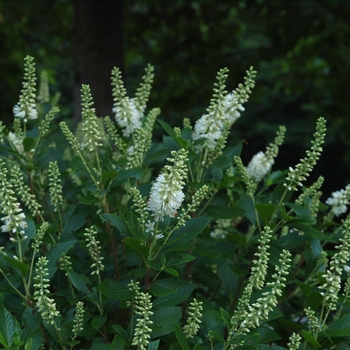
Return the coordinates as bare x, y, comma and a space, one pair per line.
112, 241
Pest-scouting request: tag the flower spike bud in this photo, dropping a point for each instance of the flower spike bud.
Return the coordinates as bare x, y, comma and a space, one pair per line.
26, 107
302, 170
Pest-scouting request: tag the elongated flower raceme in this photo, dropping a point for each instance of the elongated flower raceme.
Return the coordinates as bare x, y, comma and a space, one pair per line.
129, 111
26, 107
224, 108
46, 305
14, 219
166, 193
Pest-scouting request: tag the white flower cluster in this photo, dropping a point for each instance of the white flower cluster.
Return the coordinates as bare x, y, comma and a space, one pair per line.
212, 124
339, 201
128, 116
25, 111
221, 229
259, 166
14, 219
166, 193
16, 141
232, 107
209, 126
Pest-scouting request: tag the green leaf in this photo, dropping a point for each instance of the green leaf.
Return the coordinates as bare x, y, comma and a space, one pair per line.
199, 347
155, 155
115, 290
265, 211
182, 293
167, 128
338, 326
23, 268
300, 210
155, 265
98, 321
58, 250
310, 339
181, 338
230, 152
246, 203
7, 325
268, 335
31, 320
137, 247
224, 212
190, 231
311, 231
124, 175
117, 222
217, 336
164, 319
79, 281
171, 271
164, 286
28, 143
153, 345
222, 162
228, 277
225, 317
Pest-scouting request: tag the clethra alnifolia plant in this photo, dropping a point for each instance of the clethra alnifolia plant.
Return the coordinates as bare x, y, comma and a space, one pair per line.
114, 240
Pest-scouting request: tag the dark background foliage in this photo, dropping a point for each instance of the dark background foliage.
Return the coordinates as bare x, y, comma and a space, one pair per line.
300, 49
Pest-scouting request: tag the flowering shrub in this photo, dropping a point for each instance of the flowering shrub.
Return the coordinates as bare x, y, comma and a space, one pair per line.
112, 241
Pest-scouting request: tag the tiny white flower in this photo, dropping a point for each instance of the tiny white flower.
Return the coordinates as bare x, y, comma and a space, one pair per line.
128, 116
165, 199
150, 226
232, 107
259, 166
209, 127
25, 112
16, 142
339, 201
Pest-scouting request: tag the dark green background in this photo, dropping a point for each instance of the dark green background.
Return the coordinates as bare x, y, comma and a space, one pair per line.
301, 50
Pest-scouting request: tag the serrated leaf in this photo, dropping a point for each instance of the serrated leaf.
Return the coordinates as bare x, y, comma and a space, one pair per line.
181, 338
222, 162
78, 281
190, 231
338, 326
31, 320
153, 345
57, 251
23, 268
265, 211
115, 290
183, 291
164, 286
164, 319
310, 339
137, 247
7, 325
117, 222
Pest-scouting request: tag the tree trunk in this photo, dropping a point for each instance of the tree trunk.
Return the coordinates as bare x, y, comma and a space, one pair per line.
97, 48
